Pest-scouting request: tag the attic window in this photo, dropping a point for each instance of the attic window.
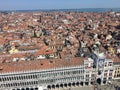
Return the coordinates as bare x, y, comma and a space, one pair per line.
51, 61
1, 68
47, 51
41, 64
4, 61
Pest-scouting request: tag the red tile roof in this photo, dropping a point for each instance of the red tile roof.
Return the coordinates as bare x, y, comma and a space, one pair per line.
39, 65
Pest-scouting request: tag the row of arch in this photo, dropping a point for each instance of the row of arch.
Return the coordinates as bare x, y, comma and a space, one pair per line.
62, 85
74, 84
65, 85
36, 88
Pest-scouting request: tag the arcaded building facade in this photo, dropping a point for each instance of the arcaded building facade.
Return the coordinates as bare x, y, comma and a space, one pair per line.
61, 76
55, 73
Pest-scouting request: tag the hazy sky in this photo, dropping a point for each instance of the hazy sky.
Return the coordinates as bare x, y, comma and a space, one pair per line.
57, 4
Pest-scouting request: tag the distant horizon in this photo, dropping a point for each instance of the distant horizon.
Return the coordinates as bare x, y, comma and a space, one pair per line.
57, 9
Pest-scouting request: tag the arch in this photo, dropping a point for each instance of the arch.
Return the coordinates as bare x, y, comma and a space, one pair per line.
31, 89
104, 82
65, 84
69, 84
22, 89
91, 83
27, 88
77, 83
73, 84
53, 86
81, 83
18, 89
36, 88
57, 86
61, 85
49, 87
86, 83
99, 81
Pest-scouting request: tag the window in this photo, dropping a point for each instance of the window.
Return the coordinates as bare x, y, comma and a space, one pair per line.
79, 71
61, 73
105, 74
24, 77
82, 77
111, 70
87, 75
110, 78
78, 77
68, 72
75, 72
110, 64
87, 80
35, 76
110, 74
15, 84
92, 79
92, 75
29, 77
104, 79
5, 79
106, 70
115, 76
20, 77
15, 78
11, 85
8, 85
105, 65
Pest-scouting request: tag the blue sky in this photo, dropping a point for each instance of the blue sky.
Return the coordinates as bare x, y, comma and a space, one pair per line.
56, 4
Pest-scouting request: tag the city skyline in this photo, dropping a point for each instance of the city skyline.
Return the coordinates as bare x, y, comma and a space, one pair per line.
55, 4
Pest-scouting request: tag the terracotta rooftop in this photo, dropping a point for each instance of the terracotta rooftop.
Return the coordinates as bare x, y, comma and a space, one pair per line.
115, 59
39, 65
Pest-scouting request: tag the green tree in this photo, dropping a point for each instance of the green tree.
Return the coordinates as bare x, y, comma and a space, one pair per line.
34, 35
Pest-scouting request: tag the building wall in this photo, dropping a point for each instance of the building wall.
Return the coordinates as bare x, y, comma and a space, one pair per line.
42, 78
107, 71
116, 73
103, 69
84, 74
90, 73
